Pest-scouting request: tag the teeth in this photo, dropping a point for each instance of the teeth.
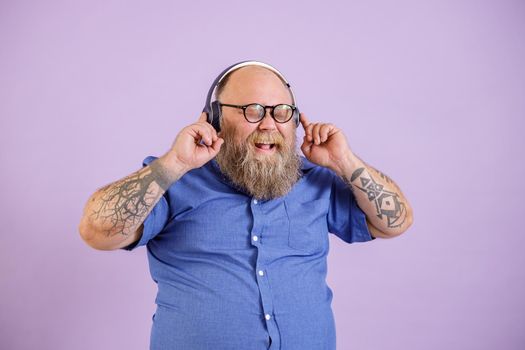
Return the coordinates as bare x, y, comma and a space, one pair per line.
265, 146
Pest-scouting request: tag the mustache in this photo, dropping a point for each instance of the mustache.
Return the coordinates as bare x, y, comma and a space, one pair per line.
262, 137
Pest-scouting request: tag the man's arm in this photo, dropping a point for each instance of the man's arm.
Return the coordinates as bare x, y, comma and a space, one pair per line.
387, 210
114, 215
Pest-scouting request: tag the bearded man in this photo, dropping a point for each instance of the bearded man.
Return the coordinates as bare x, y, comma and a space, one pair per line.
236, 222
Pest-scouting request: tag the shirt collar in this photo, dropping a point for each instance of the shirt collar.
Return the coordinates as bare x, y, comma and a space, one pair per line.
306, 165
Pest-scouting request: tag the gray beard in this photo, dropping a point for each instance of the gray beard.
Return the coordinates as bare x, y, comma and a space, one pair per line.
264, 177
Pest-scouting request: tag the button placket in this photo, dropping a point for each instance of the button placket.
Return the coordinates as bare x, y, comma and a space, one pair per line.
256, 211
260, 271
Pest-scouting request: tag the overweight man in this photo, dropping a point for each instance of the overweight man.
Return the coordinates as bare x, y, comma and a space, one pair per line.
236, 222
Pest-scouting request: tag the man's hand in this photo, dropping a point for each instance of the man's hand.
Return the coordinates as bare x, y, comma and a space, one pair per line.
194, 146
325, 145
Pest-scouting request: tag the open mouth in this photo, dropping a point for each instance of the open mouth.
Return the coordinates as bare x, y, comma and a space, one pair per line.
265, 146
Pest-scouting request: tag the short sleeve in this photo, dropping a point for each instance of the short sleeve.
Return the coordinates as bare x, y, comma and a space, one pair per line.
156, 219
345, 219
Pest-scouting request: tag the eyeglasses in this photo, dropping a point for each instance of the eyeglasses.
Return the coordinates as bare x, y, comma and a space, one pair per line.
255, 112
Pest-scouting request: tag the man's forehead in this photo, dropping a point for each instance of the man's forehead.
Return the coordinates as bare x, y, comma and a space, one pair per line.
253, 78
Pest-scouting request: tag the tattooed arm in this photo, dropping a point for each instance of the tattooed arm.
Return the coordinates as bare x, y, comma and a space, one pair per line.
387, 210
114, 215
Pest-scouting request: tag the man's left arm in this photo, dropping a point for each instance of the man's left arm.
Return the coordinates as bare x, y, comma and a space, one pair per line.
388, 212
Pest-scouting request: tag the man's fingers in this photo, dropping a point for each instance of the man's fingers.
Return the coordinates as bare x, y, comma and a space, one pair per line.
203, 121
304, 121
216, 145
211, 129
315, 134
308, 131
202, 135
203, 117
318, 132
325, 131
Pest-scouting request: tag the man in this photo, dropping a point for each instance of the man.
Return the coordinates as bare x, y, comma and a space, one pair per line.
236, 223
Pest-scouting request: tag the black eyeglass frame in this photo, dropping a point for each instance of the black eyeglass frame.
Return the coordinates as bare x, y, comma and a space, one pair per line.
265, 107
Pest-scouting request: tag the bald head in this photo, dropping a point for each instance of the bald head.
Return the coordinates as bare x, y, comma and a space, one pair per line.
253, 84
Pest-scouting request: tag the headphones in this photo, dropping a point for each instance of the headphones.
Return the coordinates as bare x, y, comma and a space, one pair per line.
213, 109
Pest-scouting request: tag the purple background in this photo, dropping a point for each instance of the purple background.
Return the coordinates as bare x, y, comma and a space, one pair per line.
430, 92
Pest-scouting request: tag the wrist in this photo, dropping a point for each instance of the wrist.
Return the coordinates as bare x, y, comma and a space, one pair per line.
348, 164
167, 170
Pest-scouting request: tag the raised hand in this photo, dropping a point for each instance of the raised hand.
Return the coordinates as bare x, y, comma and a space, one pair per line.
194, 146
324, 144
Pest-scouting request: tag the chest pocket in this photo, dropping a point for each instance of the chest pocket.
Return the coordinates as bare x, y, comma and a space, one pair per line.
308, 225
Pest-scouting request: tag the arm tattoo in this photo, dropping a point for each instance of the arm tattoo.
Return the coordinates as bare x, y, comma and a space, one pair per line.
384, 177
387, 203
348, 183
162, 178
126, 203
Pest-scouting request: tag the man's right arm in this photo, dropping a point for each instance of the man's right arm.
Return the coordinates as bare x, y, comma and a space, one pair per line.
114, 215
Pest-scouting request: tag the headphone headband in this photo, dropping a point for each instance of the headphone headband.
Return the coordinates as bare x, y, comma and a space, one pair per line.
212, 108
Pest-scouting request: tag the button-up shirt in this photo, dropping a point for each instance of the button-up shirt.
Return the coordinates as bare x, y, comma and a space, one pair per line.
236, 272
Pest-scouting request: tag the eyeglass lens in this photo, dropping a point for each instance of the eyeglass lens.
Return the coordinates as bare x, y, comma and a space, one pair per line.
256, 112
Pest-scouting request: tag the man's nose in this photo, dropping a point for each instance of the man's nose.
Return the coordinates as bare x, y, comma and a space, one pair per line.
267, 123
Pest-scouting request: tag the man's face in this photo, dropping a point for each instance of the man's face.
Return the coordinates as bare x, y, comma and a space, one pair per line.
258, 157
254, 84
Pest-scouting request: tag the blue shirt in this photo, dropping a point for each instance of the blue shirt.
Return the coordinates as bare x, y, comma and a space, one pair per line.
233, 272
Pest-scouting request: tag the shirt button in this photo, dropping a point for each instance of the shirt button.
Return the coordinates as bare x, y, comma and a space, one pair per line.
261, 273
267, 317
255, 201
255, 238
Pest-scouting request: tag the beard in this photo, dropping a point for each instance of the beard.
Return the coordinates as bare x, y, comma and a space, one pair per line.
260, 175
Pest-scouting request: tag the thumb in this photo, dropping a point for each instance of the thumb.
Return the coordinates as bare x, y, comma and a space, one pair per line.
216, 146
203, 117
